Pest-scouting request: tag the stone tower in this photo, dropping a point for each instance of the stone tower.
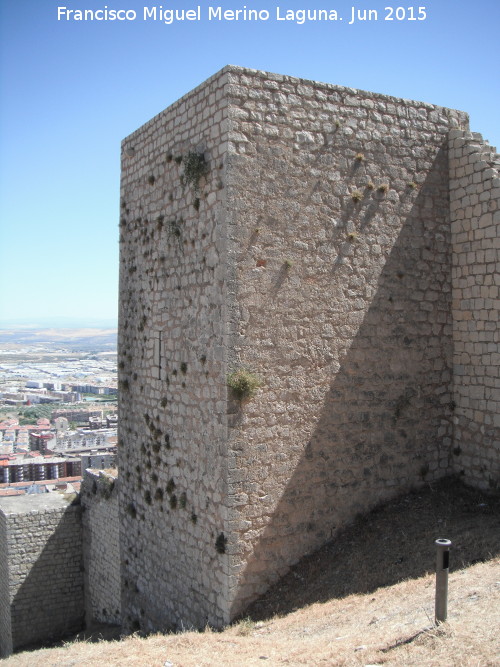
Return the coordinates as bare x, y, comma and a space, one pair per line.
299, 231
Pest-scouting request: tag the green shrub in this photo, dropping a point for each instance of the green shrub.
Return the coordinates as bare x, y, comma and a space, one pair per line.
243, 383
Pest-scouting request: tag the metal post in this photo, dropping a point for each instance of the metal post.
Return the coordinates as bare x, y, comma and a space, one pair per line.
442, 566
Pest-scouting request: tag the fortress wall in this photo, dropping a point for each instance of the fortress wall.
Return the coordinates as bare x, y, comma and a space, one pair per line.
5, 624
316, 252
475, 223
172, 428
44, 552
101, 547
313, 243
339, 298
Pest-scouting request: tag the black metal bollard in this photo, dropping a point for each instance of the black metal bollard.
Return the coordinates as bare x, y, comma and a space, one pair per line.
442, 568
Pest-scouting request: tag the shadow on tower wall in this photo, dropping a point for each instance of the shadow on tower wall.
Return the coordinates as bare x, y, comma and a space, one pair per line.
48, 604
392, 543
385, 425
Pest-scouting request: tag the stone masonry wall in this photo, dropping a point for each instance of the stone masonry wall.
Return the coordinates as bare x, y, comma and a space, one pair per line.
172, 429
313, 249
101, 547
475, 224
5, 624
44, 555
339, 298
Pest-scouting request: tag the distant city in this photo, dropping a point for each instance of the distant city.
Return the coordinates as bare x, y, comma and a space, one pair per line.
58, 393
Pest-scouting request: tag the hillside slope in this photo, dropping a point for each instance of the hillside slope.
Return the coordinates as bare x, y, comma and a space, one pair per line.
366, 599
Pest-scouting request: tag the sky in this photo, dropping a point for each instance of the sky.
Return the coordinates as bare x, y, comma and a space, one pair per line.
71, 90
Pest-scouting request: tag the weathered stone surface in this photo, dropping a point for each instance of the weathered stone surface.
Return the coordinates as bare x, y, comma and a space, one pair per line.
41, 577
172, 363
475, 224
314, 249
101, 547
5, 620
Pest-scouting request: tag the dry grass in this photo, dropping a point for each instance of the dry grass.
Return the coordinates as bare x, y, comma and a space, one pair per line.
394, 542
364, 614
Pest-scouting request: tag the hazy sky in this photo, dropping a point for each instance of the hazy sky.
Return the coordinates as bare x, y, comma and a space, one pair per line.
72, 90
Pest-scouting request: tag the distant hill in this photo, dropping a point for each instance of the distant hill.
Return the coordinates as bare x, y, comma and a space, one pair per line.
95, 339
58, 323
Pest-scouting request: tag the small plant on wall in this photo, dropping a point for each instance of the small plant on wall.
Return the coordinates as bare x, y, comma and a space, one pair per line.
243, 384
195, 167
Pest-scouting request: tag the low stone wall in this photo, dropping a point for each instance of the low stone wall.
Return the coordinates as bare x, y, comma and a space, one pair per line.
43, 551
475, 225
5, 626
101, 546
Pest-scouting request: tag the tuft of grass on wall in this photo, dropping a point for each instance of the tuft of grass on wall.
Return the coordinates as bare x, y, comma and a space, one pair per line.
243, 383
357, 195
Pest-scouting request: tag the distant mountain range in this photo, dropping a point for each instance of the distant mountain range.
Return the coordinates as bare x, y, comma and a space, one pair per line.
77, 339
58, 323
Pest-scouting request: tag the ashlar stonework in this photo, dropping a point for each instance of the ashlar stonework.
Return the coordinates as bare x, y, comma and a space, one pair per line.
475, 226
41, 570
302, 232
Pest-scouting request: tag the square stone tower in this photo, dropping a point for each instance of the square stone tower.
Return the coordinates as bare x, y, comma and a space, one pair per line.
299, 231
